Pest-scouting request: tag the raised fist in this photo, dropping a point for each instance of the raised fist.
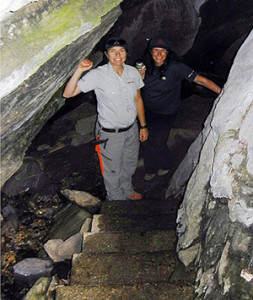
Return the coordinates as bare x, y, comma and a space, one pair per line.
85, 65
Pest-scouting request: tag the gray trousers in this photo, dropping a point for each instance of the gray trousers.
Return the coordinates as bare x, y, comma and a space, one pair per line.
119, 159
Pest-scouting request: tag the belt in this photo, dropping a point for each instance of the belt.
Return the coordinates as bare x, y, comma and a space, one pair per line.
115, 130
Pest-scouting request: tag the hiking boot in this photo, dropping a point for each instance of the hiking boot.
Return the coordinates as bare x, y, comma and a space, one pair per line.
149, 176
162, 172
134, 196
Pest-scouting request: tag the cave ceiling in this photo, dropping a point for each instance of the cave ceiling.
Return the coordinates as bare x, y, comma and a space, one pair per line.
207, 38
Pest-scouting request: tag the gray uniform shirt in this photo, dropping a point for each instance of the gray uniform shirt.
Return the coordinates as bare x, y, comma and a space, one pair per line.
115, 94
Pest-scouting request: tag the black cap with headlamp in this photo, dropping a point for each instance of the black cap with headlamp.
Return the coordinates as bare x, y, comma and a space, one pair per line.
116, 42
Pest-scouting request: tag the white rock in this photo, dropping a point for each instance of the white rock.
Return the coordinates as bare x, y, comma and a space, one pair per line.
83, 199
86, 227
69, 247
51, 248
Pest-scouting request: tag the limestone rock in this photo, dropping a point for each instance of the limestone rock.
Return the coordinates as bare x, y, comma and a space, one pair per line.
247, 275
29, 177
51, 248
60, 250
188, 256
46, 43
27, 271
68, 222
86, 227
39, 289
85, 126
84, 131
69, 247
216, 180
83, 199
10, 215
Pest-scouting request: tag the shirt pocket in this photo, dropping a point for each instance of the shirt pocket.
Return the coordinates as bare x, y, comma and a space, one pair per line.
131, 87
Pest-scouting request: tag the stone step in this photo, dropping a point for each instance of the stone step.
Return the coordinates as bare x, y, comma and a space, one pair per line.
140, 207
125, 222
121, 268
147, 291
108, 242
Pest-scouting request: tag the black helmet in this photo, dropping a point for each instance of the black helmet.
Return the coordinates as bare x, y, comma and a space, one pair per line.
116, 42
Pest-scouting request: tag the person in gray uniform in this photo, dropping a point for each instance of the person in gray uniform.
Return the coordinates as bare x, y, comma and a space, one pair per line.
119, 102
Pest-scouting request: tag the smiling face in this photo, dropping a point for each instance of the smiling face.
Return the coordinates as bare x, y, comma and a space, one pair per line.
159, 56
117, 55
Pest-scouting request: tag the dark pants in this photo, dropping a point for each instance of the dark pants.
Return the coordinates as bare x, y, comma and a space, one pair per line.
155, 150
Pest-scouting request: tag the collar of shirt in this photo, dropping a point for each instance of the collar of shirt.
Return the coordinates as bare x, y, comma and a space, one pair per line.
111, 70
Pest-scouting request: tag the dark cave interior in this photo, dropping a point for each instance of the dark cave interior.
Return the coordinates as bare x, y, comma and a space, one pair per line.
209, 49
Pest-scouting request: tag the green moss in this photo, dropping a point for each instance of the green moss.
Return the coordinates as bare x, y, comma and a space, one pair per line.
228, 134
55, 30
231, 133
240, 288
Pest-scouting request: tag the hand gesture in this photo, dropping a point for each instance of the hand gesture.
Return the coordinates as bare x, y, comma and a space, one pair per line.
142, 72
85, 65
143, 134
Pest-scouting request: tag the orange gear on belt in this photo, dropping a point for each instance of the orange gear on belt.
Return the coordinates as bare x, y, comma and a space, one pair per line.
97, 149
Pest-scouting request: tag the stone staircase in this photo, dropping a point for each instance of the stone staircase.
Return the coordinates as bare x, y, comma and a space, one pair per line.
130, 254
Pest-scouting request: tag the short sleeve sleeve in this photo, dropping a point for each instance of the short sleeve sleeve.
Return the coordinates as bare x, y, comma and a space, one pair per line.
186, 72
88, 82
139, 81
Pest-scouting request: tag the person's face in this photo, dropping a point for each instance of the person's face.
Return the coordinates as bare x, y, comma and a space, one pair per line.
159, 55
117, 55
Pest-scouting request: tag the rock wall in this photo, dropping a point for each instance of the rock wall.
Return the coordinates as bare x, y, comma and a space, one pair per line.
144, 19
215, 219
42, 42
197, 4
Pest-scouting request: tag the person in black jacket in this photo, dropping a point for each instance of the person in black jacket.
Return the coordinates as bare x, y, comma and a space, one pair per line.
162, 96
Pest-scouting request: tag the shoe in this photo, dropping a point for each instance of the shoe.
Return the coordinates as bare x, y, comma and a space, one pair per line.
149, 176
162, 172
134, 196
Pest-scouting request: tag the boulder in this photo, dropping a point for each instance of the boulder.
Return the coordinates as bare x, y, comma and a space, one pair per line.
60, 250
42, 43
83, 199
39, 290
27, 271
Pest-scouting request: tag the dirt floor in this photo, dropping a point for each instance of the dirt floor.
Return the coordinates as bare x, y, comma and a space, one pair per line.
76, 167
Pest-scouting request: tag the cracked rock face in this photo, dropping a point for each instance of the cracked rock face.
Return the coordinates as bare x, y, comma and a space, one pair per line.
144, 19
218, 203
41, 45
43, 41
